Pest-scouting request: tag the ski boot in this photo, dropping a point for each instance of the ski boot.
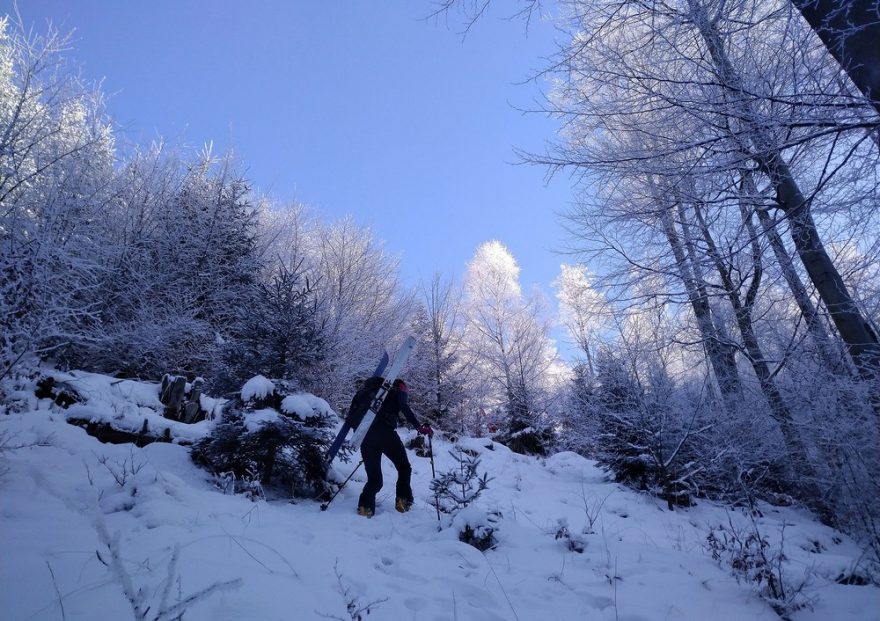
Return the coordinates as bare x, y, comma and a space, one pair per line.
366, 512
403, 504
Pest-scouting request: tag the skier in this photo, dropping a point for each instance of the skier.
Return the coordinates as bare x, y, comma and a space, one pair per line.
382, 439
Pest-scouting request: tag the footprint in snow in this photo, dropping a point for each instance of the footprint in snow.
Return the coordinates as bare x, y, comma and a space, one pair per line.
414, 603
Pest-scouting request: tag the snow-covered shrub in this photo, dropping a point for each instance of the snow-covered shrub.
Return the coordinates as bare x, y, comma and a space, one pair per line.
573, 543
751, 558
278, 441
592, 511
458, 487
455, 492
649, 431
128, 477
477, 526
122, 471
247, 485
526, 439
257, 390
180, 263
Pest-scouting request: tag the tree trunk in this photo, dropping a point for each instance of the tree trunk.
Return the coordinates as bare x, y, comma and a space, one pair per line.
850, 29
855, 331
805, 474
724, 366
809, 312
853, 327
813, 321
726, 347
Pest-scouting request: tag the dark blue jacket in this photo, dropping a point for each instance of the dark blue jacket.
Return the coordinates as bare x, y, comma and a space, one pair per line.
395, 403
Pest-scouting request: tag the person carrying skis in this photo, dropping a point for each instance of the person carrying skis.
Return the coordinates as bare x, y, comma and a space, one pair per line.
382, 439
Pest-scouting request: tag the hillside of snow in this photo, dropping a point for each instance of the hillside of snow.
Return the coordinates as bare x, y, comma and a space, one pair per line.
570, 544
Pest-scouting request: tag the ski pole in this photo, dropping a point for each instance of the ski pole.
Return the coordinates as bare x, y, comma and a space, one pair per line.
327, 504
434, 476
431, 452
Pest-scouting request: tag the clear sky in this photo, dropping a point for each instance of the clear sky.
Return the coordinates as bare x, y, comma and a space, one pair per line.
349, 106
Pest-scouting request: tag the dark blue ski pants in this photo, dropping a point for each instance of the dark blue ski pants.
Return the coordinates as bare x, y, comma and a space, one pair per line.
382, 440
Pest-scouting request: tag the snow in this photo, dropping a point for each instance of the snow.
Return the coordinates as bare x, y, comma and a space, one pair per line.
253, 421
257, 388
211, 406
304, 404
640, 561
125, 404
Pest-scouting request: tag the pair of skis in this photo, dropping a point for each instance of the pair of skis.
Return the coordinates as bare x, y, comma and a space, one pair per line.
388, 378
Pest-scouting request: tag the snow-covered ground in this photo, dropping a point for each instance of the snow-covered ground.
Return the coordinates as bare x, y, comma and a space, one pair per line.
64, 495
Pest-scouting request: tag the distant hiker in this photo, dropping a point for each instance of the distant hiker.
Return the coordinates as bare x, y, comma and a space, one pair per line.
382, 439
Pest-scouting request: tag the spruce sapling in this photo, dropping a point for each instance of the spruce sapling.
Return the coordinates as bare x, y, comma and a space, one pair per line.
462, 485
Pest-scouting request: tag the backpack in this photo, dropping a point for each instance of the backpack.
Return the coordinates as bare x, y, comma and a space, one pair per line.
361, 401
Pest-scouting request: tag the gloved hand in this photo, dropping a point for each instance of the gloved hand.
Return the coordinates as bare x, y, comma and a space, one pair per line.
426, 430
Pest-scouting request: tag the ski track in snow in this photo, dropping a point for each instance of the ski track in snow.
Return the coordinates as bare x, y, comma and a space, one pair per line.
641, 562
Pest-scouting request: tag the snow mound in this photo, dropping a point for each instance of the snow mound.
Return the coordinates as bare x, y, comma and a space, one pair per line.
305, 404
125, 405
575, 467
257, 387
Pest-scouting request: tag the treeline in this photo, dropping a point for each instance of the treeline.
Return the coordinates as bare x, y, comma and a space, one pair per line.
729, 209
141, 261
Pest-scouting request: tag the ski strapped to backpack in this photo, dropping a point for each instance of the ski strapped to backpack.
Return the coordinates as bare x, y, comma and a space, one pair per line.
394, 370
347, 426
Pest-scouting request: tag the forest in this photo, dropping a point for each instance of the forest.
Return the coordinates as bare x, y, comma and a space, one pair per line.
721, 289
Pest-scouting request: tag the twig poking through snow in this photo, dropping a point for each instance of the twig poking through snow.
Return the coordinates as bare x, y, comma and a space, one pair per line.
138, 598
355, 609
57, 591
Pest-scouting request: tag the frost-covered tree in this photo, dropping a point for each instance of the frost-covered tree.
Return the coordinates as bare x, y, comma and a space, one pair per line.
582, 309
640, 110
362, 307
726, 157
56, 156
507, 340
183, 267
277, 334
436, 370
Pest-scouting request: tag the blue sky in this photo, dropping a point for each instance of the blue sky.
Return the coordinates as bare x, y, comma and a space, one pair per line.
351, 107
